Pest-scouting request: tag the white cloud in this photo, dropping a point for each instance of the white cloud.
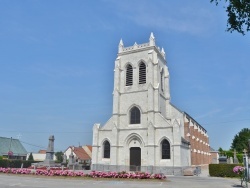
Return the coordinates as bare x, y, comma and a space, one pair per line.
209, 114
58, 71
190, 19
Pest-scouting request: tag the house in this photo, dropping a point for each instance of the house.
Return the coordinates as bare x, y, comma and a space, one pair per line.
39, 156
12, 148
82, 154
146, 132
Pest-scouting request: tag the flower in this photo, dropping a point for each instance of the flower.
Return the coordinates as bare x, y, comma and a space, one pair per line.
94, 174
239, 170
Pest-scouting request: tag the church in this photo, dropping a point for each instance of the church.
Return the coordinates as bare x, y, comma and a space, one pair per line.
146, 132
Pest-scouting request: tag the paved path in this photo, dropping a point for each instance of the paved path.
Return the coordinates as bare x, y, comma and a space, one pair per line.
18, 181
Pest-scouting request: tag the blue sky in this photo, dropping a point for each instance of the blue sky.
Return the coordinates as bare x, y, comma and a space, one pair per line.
57, 61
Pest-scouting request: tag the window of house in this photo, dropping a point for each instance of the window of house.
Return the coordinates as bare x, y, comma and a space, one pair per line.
106, 147
135, 116
142, 73
165, 149
129, 75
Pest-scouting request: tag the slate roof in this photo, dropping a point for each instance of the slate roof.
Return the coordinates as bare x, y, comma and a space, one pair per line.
14, 145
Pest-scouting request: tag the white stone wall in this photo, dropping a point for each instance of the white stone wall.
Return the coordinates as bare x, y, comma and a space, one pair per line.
39, 156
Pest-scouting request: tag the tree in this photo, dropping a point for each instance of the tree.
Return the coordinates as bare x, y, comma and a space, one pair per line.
30, 157
240, 141
221, 151
59, 156
238, 12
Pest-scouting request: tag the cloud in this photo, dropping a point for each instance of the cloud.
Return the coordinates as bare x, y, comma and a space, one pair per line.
209, 114
59, 71
184, 18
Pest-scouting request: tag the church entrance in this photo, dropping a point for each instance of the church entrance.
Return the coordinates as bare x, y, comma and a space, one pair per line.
135, 159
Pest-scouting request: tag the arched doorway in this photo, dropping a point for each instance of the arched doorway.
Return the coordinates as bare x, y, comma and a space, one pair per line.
135, 158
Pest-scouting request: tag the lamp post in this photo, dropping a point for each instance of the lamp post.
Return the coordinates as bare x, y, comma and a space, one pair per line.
248, 147
245, 161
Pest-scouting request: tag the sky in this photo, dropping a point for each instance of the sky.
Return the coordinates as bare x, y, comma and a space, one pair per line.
57, 66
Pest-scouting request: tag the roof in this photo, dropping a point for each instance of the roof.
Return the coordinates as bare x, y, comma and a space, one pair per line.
189, 117
90, 147
42, 151
80, 153
11, 144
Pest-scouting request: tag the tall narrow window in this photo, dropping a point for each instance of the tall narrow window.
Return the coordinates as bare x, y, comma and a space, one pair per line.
106, 149
142, 73
135, 116
129, 75
165, 149
162, 81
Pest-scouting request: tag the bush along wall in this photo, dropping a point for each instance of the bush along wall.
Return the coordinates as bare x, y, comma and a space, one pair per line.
223, 170
6, 163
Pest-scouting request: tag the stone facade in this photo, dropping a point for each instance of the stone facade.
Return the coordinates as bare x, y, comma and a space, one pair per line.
161, 129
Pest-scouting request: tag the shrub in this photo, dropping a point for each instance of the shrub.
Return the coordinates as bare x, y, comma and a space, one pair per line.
15, 163
222, 170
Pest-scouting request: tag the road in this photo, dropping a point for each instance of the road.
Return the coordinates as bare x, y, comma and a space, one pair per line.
23, 181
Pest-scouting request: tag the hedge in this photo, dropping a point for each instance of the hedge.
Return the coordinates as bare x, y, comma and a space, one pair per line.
223, 170
5, 163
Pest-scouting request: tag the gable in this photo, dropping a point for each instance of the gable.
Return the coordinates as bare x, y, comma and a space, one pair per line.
80, 153
14, 145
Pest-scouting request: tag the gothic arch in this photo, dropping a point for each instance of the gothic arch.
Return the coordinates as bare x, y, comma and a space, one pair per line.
141, 61
129, 74
142, 72
165, 148
134, 136
134, 105
161, 139
128, 63
162, 77
134, 115
106, 148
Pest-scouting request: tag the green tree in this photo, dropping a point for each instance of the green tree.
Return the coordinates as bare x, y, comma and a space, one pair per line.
238, 12
59, 156
240, 141
30, 157
221, 151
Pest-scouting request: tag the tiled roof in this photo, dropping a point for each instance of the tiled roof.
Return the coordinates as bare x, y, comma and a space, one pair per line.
42, 151
90, 147
80, 153
14, 145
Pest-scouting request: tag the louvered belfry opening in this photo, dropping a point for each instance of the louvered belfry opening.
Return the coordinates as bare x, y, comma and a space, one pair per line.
162, 80
142, 73
129, 76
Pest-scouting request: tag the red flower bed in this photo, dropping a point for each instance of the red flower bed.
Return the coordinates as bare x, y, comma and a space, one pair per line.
93, 174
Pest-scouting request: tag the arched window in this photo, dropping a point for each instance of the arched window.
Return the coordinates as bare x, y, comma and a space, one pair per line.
135, 116
129, 75
142, 73
106, 149
165, 149
162, 81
